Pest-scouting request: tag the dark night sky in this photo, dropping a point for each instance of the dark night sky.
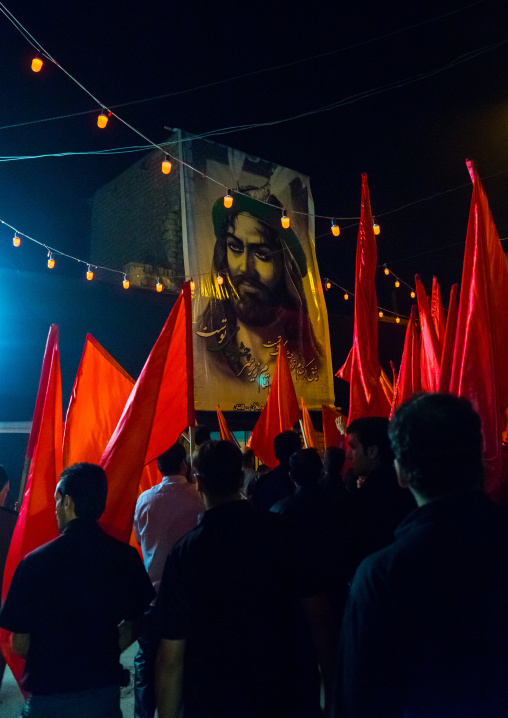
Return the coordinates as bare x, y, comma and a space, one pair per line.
412, 141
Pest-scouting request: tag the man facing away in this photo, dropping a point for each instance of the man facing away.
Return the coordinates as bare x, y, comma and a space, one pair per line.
425, 633
225, 607
74, 605
163, 514
276, 485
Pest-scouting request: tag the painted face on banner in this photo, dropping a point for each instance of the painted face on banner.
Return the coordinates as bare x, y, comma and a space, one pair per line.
255, 268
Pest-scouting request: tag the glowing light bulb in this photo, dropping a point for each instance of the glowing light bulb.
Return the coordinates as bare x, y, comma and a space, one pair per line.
36, 64
220, 279
397, 319
89, 274
346, 296
376, 228
51, 261
159, 286
380, 314
284, 220
16, 240
397, 283
102, 120
192, 285
166, 166
126, 284
328, 284
335, 229
387, 271
228, 201
413, 295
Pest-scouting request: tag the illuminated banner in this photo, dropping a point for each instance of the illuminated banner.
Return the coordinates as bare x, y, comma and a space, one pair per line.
255, 282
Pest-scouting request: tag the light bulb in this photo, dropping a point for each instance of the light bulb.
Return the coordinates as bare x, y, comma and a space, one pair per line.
36, 64
51, 261
380, 314
166, 166
397, 319
346, 296
126, 283
413, 295
328, 284
397, 283
192, 285
89, 274
376, 228
16, 240
220, 279
102, 120
335, 229
228, 201
284, 220
387, 271
159, 286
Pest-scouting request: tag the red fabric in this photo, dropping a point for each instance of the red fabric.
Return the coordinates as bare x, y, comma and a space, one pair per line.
159, 408
332, 419
225, 434
437, 312
409, 380
449, 340
307, 427
362, 368
280, 413
100, 392
51, 341
481, 346
430, 350
36, 522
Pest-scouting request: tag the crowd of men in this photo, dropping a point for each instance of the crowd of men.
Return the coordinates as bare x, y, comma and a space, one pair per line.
372, 584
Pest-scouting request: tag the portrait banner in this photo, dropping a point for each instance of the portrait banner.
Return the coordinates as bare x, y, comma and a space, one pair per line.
255, 283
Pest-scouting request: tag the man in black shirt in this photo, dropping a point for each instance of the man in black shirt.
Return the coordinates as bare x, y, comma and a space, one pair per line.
275, 485
74, 605
226, 609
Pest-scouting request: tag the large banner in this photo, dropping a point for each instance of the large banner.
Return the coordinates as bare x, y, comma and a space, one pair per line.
255, 283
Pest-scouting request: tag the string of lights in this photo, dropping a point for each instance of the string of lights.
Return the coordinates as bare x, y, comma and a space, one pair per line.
327, 285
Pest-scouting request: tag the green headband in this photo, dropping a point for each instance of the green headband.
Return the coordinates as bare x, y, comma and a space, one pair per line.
264, 213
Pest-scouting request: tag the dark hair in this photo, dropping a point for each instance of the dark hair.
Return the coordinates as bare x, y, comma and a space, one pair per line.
333, 460
87, 486
219, 466
3, 477
285, 444
373, 431
248, 457
170, 461
437, 442
305, 467
201, 434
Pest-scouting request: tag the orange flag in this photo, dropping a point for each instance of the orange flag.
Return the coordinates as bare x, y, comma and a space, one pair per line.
308, 430
159, 408
100, 392
362, 369
449, 341
280, 412
437, 312
36, 522
225, 434
334, 426
430, 350
408, 381
481, 345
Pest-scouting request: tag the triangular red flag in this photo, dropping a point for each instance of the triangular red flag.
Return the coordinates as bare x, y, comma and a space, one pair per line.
408, 381
36, 522
334, 426
481, 346
449, 340
430, 350
280, 412
159, 408
309, 433
437, 312
225, 434
100, 392
362, 368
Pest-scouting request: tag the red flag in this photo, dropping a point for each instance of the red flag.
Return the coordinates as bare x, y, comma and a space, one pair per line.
408, 381
51, 342
449, 341
225, 434
36, 522
334, 426
100, 392
481, 345
280, 412
437, 312
362, 368
307, 428
430, 351
160, 407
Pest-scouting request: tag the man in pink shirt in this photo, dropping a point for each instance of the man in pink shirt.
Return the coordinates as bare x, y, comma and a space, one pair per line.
163, 514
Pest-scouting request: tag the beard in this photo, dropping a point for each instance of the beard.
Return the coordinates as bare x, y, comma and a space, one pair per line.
254, 303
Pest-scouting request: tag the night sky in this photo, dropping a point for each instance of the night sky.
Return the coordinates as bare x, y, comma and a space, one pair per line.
411, 140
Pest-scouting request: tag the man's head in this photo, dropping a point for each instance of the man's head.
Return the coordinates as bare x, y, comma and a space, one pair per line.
81, 493
369, 445
334, 459
305, 467
438, 445
173, 461
218, 468
285, 444
4, 485
201, 434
